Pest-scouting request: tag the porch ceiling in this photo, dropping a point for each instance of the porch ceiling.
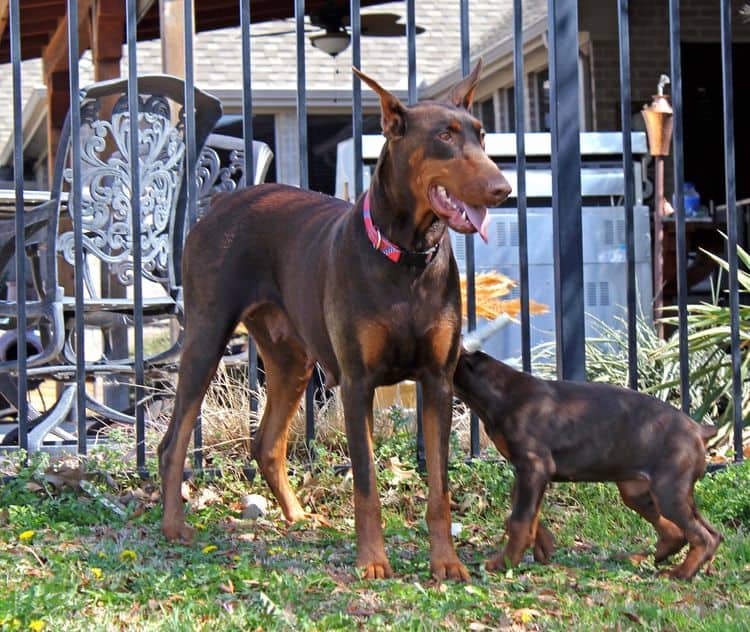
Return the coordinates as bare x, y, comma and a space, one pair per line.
44, 23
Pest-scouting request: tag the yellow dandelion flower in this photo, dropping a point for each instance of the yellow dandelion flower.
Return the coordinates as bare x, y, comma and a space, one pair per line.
101, 554
209, 548
128, 556
96, 572
26, 535
200, 525
236, 558
37, 625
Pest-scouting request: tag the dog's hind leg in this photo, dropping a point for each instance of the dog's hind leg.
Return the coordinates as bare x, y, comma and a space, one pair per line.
674, 498
288, 370
637, 496
717, 537
544, 541
200, 356
531, 481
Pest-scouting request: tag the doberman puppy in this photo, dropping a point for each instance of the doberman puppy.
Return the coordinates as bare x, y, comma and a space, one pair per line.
369, 292
569, 431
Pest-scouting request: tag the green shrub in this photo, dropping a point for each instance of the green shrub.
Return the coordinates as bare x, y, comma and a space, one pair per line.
724, 495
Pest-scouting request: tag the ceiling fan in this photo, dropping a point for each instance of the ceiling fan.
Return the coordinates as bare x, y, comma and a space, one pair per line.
332, 32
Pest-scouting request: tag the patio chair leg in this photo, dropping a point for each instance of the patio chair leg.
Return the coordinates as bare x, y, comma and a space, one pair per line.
57, 415
9, 390
109, 413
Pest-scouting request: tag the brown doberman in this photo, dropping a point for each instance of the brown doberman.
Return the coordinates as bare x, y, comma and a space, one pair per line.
570, 431
369, 292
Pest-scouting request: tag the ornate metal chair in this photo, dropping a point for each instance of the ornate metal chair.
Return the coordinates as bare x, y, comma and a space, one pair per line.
221, 166
106, 224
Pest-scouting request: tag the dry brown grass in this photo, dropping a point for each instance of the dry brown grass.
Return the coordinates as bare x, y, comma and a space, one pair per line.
227, 422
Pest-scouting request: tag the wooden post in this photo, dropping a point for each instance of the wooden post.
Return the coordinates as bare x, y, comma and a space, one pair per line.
658, 262
55, 69
172, 27
107, 37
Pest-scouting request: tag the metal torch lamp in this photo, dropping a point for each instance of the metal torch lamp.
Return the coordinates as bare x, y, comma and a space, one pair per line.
658, 118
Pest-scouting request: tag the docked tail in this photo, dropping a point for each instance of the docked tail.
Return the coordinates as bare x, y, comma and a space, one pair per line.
708, 432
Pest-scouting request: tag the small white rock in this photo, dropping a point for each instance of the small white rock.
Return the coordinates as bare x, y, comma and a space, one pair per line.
253, 506
456, 528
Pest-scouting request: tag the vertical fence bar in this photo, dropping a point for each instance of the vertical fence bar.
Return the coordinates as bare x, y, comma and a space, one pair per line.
355, 21
566, 189
411, 54
74, 203
248, 136
520, 126
731, 190
191, 184
629, 197
679, 184
247, 91
135, 218
411, 44
20, 255
299, 16
471, 297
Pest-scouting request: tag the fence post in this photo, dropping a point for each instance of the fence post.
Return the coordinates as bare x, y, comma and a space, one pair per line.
566, 189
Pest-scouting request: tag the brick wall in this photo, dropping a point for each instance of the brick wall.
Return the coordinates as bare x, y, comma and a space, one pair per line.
649, 52
649, 46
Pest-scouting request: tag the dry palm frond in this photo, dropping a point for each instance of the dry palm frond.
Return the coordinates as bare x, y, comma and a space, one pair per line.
489, 288
512, 307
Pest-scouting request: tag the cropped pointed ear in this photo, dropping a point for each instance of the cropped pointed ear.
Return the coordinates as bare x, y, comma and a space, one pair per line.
392, 111
462, 94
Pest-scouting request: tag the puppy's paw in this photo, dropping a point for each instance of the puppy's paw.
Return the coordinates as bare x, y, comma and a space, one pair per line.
178, 532
497, 563
544, 545
667, 547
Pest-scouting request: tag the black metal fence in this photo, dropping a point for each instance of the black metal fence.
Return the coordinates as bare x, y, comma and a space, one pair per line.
563, 33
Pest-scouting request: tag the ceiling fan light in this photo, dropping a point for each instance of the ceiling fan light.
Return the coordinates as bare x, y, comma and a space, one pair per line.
331, 42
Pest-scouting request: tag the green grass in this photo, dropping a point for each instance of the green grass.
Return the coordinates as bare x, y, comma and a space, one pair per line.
87, 568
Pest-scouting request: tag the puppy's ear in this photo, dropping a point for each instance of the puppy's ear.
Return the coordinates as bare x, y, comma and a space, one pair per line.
393, 112
462, 95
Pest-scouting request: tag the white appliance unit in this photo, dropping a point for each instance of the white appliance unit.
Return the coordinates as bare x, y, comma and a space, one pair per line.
603, 216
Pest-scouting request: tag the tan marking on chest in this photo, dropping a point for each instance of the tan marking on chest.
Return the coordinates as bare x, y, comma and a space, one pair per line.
441, 338
372, 337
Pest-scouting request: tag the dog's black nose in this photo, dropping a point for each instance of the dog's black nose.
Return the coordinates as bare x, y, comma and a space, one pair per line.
500, 191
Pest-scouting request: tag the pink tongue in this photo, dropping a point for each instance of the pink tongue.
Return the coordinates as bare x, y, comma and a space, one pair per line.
479, 218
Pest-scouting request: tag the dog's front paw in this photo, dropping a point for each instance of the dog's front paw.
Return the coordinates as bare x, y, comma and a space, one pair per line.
449, 569
178, 531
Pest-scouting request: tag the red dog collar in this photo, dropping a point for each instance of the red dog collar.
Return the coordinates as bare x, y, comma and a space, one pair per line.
391, 250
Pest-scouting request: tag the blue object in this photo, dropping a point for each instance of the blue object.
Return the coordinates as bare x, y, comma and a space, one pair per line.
692, 200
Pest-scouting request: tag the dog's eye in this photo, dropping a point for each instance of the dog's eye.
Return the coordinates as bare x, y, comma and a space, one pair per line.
481, 137
445, 136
